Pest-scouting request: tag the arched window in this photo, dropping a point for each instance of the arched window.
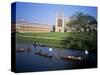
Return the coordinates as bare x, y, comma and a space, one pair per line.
59, 22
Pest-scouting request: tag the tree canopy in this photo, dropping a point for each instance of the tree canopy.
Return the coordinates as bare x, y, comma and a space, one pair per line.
80, 20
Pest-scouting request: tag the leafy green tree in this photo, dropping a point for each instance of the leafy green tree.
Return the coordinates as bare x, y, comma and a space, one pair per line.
80, 21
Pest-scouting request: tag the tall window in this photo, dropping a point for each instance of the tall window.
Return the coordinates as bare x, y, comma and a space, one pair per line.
59, 22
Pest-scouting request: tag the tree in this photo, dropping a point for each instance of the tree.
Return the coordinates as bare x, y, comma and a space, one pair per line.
83, 21
53, 28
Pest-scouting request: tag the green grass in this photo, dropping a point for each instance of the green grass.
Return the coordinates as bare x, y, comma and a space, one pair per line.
73, 40
51, 34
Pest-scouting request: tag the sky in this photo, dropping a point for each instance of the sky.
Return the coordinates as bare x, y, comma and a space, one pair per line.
46, 13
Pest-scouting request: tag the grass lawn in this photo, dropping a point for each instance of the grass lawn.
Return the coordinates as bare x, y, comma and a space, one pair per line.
73, 40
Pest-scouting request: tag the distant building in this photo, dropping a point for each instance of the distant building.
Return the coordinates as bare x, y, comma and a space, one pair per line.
59, 22
30, 27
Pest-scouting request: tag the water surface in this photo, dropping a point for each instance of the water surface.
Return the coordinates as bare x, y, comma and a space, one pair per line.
29, 61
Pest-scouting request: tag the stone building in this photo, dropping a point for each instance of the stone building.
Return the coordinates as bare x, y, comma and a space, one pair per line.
22, 27
59, 22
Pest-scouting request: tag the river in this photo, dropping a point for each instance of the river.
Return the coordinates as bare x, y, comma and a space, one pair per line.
29, 61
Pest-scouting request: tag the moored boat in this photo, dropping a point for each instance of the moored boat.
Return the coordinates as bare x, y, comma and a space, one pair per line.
23, 50
71, 58
40, 53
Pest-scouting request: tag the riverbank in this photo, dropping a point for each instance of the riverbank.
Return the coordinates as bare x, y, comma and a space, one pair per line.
72, 40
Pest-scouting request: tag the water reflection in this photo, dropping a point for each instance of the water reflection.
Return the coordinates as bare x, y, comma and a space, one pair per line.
42, 58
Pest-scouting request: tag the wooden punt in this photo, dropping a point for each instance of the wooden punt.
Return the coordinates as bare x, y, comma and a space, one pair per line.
43, 54
23, 50
71, 58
